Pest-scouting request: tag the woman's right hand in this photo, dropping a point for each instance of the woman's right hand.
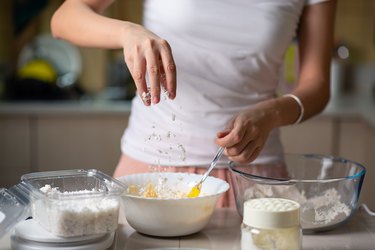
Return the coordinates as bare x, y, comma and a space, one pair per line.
80, 22
146, 53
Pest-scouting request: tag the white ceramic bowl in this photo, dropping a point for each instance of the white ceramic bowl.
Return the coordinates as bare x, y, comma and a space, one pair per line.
169, 217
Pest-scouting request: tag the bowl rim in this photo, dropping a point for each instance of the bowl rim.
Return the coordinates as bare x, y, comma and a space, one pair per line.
224, 189
278, 181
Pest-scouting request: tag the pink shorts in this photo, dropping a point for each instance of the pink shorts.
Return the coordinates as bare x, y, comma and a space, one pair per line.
127, 166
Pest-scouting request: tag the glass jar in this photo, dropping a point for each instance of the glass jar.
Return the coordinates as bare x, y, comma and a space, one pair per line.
271, 224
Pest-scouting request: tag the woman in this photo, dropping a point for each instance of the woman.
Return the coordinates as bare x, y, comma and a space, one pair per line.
206, 74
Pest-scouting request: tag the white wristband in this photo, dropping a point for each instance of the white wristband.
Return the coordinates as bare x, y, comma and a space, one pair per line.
301, 108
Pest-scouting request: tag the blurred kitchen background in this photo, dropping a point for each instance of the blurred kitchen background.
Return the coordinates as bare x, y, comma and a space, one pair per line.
64, 107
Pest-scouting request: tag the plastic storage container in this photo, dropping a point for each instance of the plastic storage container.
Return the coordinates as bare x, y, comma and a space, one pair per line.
66, 203
271, 224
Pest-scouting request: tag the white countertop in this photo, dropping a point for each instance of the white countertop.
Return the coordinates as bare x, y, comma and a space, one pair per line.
223, 233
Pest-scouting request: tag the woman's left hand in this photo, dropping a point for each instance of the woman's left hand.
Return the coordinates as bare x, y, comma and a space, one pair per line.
245, 135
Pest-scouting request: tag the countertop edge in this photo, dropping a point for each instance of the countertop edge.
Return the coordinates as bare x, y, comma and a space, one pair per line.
354, 106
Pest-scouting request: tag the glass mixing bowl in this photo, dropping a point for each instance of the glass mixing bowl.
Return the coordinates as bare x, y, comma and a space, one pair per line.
326, 187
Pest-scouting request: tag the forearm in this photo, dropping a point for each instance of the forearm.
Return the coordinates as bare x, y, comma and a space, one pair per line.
81, 24
313, 88
314, 95
145, 53
285, 110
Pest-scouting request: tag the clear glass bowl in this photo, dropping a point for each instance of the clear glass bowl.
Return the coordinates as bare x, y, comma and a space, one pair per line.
326, 187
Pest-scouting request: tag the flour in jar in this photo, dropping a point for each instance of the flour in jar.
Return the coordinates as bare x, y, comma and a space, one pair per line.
323, 209
76, 213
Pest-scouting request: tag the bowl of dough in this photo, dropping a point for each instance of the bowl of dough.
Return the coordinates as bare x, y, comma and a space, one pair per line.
327, 188
157, 203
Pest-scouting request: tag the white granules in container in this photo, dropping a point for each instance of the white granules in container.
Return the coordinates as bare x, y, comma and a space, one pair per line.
63, 214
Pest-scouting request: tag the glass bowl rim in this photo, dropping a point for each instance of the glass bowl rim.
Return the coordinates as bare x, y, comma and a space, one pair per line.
279, 181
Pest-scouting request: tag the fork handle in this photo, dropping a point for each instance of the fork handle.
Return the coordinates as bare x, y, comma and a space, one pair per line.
213, 163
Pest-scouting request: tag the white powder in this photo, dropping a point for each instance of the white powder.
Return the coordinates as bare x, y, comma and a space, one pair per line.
183, 152
164, 93
65, 215
324, 209
156, 137
47, 189
146, 96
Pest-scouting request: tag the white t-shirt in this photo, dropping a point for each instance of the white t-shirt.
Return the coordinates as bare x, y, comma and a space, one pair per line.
228, 55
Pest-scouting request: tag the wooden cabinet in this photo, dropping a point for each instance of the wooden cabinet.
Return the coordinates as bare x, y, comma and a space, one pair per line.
55, 142
357, 143
352, 139
69, 142
314, 136
43, 142
16, 155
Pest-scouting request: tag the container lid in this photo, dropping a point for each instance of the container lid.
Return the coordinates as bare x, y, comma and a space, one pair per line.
271, 213
13, 208
15, 202
30, 235
31, 230
72, 184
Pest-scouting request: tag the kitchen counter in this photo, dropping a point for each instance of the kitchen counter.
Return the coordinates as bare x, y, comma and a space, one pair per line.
223, 233
64, 107
360, 103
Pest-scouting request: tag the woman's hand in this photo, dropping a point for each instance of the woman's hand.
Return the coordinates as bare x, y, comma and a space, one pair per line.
80, 22
246, 134
146, 53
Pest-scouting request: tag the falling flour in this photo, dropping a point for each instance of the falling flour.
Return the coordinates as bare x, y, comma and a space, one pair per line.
63, 214
156, 137
146, 96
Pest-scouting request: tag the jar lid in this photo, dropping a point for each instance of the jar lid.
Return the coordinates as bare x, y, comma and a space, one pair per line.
271, 213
